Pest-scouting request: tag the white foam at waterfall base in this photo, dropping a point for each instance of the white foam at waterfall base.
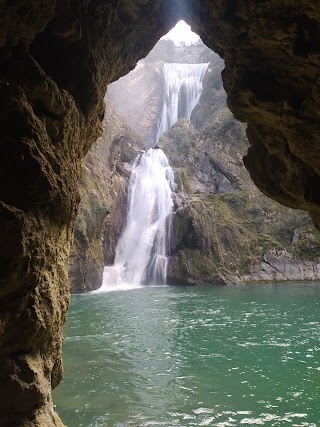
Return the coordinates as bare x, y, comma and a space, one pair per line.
141, 253
182, 91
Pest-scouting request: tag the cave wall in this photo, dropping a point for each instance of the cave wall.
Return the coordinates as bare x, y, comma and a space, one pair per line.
271, 50
56, 58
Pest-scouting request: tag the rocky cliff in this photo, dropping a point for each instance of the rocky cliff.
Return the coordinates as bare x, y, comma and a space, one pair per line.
225, 230
102, 207
167, 51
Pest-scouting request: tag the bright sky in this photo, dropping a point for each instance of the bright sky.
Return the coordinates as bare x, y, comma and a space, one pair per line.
181, 32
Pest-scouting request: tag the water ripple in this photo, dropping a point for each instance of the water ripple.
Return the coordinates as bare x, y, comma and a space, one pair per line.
185, 357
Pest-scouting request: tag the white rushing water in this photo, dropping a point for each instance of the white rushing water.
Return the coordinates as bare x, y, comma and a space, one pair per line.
141, 254
182, 91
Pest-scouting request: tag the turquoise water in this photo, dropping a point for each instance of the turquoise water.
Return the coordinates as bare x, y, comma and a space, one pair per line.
204, 356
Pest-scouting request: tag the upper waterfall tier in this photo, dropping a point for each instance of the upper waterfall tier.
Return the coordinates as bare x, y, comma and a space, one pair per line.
182, 91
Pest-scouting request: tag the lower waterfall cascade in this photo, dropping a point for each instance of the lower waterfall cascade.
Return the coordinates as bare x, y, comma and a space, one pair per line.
141, 253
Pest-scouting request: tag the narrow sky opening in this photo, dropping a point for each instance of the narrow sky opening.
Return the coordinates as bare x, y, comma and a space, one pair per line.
181, 33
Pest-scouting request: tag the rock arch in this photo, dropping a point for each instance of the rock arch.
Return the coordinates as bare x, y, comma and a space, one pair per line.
56, 59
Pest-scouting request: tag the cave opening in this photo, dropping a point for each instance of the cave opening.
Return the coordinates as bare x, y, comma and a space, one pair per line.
220, 218
56, 59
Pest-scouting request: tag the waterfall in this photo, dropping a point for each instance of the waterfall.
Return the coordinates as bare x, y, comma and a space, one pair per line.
141, 253
182, 91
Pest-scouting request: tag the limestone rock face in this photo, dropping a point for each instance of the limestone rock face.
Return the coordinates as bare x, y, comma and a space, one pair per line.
167, 51
101, 212
224, 230
281, 265
137, 98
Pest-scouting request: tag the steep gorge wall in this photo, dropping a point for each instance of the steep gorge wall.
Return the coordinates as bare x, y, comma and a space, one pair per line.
224, 230
136, 97
56, 58
102, 208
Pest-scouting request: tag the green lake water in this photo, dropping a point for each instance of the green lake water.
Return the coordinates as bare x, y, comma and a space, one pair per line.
193, 356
